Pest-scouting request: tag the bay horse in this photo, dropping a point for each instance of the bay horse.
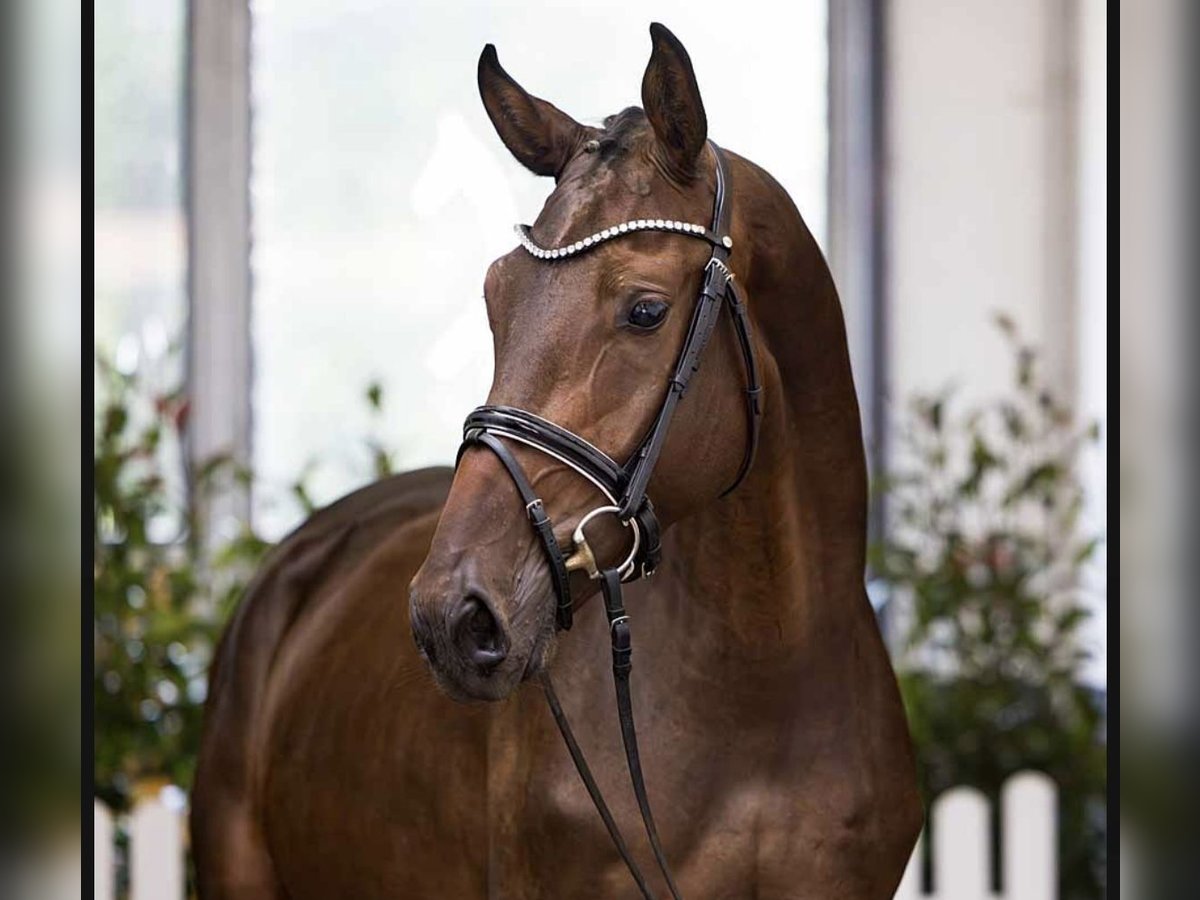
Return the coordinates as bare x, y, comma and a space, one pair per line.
772, 736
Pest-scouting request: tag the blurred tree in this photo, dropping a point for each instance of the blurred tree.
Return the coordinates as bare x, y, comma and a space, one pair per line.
983, 557
156, 612
162, 592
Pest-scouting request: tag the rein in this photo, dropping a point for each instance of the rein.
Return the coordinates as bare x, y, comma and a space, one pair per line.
623, 485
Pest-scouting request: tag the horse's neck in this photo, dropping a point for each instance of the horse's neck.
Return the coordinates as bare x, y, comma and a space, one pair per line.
770, 579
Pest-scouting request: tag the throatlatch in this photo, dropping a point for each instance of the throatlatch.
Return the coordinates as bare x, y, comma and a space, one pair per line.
623, 485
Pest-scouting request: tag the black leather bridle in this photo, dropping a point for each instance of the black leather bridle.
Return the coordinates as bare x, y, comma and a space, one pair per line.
623, 485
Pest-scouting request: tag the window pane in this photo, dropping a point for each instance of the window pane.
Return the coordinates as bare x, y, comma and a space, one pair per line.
140, 263
47, 161
381, 193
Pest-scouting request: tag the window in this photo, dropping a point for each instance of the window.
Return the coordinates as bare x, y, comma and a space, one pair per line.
139, 221
380, 193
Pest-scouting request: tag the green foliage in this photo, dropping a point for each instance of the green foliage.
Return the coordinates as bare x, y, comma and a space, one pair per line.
382, 464
159, 600
163, 587
984, 552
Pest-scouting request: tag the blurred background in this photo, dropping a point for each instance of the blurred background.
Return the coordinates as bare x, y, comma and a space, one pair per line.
294, 206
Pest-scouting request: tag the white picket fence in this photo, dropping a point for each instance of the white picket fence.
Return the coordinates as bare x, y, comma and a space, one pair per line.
962, 848
157, 829
959, 828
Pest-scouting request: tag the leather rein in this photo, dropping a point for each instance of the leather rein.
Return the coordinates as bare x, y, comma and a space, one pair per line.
623, 485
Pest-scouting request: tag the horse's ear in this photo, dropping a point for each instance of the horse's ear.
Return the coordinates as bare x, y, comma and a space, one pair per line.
542, 137
672, 102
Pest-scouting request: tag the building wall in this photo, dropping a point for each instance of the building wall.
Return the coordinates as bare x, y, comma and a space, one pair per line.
995, 174
980, 166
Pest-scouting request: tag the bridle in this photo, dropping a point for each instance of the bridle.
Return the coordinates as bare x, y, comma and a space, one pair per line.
623, 485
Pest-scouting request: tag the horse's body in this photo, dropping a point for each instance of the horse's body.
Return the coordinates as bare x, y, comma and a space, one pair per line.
773, 739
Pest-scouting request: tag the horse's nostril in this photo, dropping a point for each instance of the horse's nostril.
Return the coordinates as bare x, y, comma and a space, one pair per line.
479, 635
481, 622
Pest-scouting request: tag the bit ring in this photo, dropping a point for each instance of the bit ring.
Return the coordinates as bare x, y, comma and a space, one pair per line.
584, 559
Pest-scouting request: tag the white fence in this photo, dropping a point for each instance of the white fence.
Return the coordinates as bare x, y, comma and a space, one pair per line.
958, 823
962, 847
157, 829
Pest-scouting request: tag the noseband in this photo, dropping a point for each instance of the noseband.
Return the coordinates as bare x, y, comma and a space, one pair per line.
624, 486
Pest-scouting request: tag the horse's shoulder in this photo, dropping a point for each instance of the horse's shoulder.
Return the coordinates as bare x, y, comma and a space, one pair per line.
386, 501
325, 549
321, 553
354, 524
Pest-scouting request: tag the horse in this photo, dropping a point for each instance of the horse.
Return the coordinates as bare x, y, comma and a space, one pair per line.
376, 723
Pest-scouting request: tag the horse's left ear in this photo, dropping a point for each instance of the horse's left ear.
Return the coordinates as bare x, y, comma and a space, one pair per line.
672, 102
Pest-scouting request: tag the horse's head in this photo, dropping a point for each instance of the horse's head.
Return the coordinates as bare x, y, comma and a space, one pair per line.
588, 343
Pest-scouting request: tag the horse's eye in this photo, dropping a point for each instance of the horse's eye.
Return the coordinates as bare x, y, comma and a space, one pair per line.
647, 314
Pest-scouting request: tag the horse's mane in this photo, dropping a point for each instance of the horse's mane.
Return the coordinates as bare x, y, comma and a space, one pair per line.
622, 129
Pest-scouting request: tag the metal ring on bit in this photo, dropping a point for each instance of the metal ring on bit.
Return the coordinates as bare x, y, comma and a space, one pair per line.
584, 559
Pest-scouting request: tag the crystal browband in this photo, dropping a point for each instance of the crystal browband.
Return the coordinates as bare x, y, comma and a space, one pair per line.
667, 225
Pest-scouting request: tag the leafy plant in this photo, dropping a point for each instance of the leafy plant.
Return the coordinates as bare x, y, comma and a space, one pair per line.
984, 552
163, 587
156, 613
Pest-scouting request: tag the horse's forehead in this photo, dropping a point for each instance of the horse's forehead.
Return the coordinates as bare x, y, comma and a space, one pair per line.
591, 197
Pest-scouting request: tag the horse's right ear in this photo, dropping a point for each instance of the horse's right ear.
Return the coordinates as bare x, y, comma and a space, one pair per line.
542, 137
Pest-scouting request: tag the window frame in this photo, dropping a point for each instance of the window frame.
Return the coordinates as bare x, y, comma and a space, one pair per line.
218, 365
